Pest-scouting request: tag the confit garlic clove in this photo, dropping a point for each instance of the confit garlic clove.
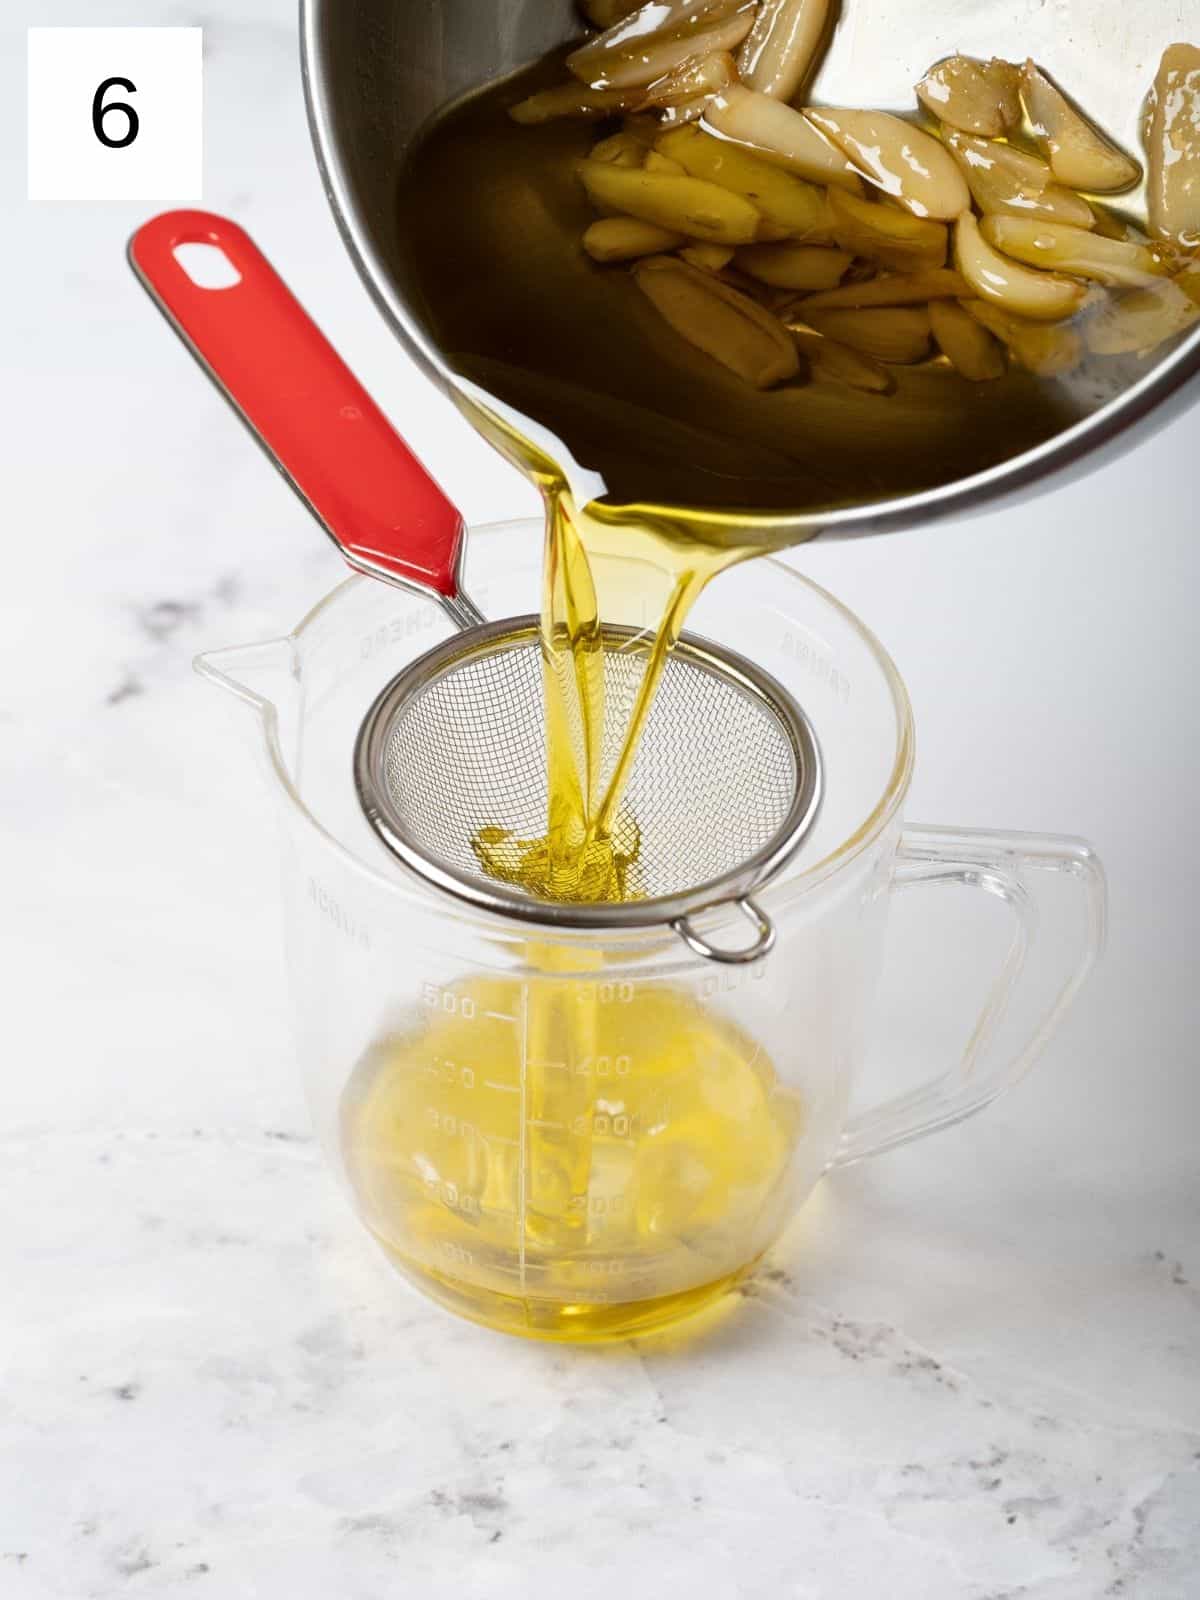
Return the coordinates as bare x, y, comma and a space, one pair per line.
695, 78
619, 150
901, 289
966, 344
774, 300
712, 257
1020, 167
780, 134
1006, 181
718, 320
684, 111
1047, 349
898, 335
1017, 289
1139, 321
1174, 146
660, 38
793, 209
794, 266
645, 127
1080, 155
1052, 246
892, 238
645, 22
959, 92
828, 359
1108, 225
680, 205
782, 45
1005, 77
655, 161
625, 239
903, 161
572, 100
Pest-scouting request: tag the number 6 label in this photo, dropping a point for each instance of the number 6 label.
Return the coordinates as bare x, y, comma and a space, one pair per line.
116, 114
100, 111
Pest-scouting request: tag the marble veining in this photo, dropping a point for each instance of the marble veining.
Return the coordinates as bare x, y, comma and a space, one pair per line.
227, 1384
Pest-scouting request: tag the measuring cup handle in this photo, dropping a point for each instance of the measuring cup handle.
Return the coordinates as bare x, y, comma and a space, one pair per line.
1022, 870
306, 408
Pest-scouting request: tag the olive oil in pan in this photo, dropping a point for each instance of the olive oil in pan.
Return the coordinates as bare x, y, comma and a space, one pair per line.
493, 214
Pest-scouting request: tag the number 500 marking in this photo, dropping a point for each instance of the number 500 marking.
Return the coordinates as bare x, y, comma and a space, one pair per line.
100, 111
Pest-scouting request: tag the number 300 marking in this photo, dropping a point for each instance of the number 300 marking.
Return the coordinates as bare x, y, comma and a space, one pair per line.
100, 111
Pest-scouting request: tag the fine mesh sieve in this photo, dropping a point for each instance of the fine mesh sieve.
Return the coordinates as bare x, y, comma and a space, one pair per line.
724, 786
727, 779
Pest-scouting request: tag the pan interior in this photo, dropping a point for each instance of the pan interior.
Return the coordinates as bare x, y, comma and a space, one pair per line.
471, 226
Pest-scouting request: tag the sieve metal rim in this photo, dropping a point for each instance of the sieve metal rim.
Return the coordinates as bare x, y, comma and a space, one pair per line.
676, 910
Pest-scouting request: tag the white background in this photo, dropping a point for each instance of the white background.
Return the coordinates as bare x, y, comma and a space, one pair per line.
287, 1390
66, 159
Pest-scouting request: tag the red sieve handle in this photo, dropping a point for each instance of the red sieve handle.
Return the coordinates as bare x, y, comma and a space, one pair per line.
308, 410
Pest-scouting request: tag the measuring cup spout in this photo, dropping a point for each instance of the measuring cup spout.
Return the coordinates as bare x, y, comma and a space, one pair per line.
258, 675
265, 680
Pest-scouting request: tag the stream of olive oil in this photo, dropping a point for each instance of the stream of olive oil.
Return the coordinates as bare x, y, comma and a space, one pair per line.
489, 258
583, 856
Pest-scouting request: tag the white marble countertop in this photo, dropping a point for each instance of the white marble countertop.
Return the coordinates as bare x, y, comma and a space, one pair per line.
973, 1372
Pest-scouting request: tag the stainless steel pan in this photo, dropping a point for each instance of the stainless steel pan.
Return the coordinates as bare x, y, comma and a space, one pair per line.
377, 70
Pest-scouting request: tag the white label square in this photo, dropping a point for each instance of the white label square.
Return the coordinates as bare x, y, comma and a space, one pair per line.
84, 146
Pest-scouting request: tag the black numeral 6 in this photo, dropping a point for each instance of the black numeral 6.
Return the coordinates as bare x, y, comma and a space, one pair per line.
100, 111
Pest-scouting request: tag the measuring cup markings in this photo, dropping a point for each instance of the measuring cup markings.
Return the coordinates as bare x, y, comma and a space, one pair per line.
603, 1066
601, 1206
333, 911
423, 619
604, 1215
799, 648
447, 1071
605, 1125
453, 1127
611, 992
728, 980
523, 1151
448, 1194
440, 997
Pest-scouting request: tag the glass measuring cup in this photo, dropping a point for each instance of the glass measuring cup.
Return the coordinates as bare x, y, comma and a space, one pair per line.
582, 1135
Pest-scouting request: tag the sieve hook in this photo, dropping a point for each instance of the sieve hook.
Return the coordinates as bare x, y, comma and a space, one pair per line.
754, 914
